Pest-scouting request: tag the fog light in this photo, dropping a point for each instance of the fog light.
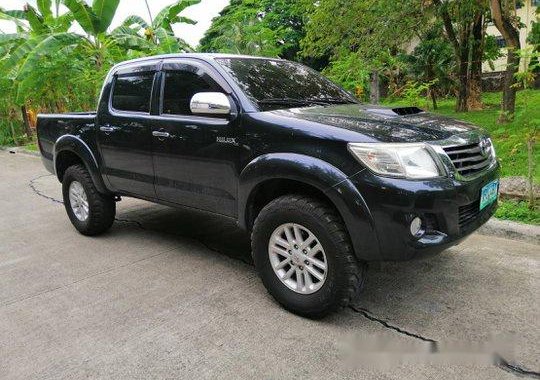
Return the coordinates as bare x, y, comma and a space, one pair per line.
416, 227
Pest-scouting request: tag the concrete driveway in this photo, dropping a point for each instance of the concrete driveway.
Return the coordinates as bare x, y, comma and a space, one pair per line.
172, 294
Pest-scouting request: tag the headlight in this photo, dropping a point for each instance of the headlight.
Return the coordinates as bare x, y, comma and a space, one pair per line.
492, 149
407, 160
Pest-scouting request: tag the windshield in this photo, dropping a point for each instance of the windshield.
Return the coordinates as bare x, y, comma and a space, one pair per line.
274, 84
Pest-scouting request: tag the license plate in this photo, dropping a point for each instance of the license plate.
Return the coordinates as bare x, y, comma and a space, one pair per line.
488, 194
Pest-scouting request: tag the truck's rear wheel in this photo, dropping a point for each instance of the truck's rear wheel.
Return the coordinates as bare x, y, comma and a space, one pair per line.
304, 256
89, 211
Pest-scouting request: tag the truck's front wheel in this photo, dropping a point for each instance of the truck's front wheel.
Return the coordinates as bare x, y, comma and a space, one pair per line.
89, 211
303, 253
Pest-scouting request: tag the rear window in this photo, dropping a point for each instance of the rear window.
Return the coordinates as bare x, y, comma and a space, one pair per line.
132, 92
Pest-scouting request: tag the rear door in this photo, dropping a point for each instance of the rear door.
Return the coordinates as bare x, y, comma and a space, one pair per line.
196, 158
124, 134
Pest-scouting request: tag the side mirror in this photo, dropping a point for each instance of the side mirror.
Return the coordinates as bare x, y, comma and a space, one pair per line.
210, 103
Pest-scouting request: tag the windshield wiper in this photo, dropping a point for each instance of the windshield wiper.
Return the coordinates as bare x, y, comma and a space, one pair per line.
291, 101
331, 101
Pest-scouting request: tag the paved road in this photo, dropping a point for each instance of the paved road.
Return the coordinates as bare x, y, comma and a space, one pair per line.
172, 294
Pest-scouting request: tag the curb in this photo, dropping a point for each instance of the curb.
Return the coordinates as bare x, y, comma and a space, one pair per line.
20, 150
507, 229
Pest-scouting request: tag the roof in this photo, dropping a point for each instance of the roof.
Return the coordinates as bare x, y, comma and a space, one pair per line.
204, 56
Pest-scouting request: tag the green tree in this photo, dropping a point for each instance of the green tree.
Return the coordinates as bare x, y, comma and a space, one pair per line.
503, 14
534, 39
351, 72
464, 23
432, 61
260, 27
373, 31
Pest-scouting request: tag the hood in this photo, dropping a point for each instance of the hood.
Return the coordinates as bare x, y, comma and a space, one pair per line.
384, 124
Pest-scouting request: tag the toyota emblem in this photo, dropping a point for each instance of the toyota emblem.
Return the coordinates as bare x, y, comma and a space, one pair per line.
484, 146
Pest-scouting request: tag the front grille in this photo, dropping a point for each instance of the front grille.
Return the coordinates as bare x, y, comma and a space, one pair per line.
468, 213
471, 158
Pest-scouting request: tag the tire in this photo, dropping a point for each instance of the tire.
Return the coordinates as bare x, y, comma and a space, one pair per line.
344, 275
100, 210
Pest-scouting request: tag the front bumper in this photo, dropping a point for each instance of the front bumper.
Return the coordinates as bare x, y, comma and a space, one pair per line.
449, 210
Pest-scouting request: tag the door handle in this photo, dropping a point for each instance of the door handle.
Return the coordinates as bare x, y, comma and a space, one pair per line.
161, 134
107, 129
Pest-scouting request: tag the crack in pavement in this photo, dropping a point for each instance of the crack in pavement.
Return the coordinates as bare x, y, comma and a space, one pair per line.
516, 369
38, 192
500, 362
367, 314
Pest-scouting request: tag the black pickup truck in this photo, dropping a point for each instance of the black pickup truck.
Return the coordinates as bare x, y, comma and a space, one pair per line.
323, 183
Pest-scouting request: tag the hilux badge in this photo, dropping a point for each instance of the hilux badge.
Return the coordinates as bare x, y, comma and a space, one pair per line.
226, 140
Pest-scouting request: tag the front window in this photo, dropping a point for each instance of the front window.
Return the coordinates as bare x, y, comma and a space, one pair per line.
274, 84
181, 85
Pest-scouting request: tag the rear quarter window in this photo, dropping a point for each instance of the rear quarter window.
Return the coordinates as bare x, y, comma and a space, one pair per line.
132, 92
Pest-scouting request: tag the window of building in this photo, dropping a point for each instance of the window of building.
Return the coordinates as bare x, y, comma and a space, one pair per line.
132, 92
181, 85
500, 41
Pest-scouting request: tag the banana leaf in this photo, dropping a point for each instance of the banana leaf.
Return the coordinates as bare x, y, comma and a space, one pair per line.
84, 15
35, 20
14, 16
12, 60
52, 43
104, 11
164, 17
44, 7
135, 20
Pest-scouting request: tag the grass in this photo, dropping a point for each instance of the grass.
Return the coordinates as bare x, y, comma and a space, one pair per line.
32, 147
7, 130
518, 211
510, 139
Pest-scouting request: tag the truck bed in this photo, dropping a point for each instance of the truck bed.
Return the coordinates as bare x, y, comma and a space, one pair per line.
51, 126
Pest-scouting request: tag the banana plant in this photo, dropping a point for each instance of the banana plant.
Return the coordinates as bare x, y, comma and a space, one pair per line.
33, 25
95, 19
41, 34
38, 21
158, 35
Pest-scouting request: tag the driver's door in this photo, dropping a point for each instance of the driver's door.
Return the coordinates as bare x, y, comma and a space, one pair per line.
196, 158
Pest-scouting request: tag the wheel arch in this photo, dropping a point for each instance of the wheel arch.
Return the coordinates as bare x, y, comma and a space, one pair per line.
272, 175
272, 188
71, 150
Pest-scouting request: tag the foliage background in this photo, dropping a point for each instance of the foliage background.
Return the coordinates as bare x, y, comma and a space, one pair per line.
404, 50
